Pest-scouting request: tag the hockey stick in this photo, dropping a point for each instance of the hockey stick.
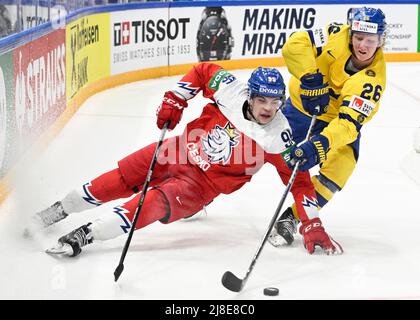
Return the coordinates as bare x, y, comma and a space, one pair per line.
229, 280
120, 266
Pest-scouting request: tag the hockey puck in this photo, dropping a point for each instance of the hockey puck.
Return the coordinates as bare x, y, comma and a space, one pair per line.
271, 291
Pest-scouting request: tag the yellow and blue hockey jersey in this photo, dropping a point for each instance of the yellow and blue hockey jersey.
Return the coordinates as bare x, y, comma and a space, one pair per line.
354, 99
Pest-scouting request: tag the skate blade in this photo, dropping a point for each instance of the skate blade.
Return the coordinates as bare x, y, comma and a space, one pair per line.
60, 249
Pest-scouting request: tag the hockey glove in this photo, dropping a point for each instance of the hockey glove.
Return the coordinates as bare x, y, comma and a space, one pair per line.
314, 94
314, 235
170, 109
311, 152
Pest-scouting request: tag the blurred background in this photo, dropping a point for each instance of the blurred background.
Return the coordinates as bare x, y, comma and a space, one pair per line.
19, 15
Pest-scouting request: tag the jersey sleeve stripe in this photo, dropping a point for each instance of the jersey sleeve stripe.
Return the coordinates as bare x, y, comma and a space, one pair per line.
350, 119
328, 183
335, 96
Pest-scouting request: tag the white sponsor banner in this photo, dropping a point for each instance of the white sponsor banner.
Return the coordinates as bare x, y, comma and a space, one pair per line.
241, 32
184, 48
246, 32
402, 28
139, 38
261, 31
158, 37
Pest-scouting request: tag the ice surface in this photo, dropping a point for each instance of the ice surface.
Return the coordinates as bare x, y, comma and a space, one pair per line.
375, 218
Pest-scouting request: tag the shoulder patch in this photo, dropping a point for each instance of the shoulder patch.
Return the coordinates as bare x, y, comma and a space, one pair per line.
361, 105
219, 77
370, 73
320, 37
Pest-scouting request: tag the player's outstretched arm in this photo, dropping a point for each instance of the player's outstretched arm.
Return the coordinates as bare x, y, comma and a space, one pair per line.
174, 102
314, 235
170, 109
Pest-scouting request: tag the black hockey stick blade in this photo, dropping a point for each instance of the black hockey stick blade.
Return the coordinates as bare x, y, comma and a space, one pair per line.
118, 271
232, 282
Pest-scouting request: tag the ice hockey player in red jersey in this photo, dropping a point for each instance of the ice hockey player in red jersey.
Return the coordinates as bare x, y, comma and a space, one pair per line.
238, 131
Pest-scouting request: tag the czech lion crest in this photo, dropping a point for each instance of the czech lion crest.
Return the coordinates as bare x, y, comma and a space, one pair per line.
219, 143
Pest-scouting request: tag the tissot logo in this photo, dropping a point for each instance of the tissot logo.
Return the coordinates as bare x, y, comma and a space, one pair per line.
122, 33
131, 32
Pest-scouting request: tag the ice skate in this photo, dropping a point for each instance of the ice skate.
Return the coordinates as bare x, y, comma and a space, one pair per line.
44, 219
284, 229
71, 244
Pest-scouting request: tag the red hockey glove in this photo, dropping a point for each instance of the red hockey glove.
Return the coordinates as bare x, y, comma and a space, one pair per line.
314, 235
170, 109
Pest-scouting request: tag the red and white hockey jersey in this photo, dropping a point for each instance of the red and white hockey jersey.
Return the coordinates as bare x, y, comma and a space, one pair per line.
226, 146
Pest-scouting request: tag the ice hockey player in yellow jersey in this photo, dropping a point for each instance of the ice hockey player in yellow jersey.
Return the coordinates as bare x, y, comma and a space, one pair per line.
338, 73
